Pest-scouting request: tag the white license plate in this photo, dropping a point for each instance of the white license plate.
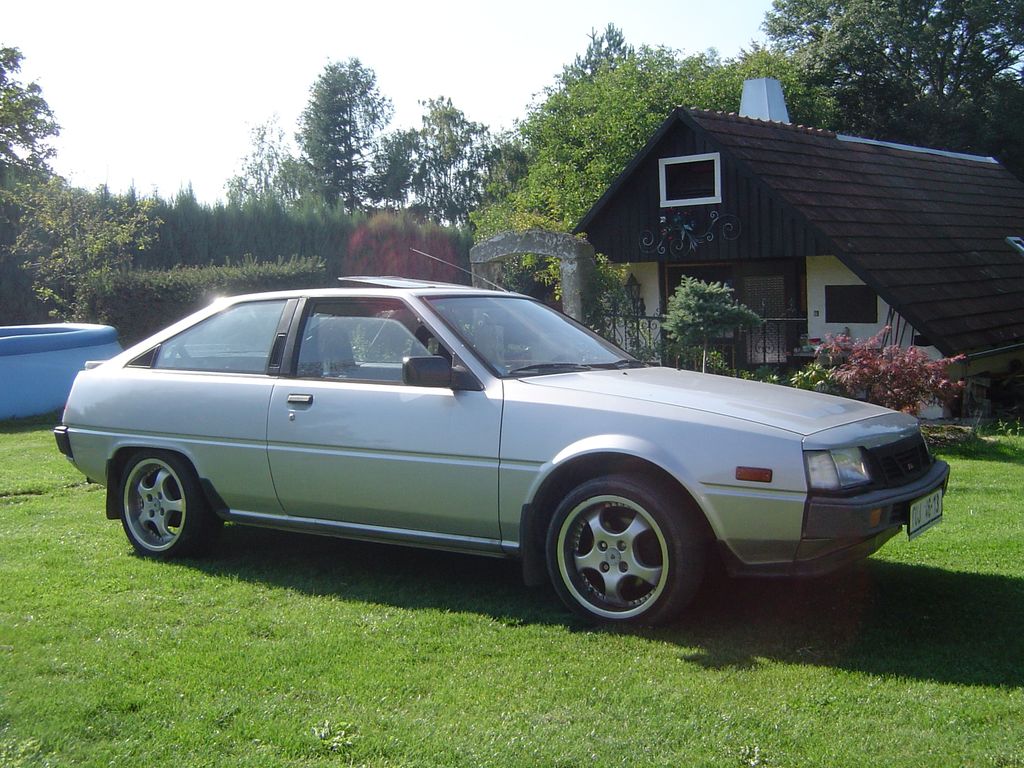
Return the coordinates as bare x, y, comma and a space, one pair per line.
924, 513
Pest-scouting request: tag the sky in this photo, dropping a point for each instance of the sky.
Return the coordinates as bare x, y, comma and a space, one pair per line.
162, 95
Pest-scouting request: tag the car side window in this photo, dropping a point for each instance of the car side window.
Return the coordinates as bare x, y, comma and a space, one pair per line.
237, 340
361, 340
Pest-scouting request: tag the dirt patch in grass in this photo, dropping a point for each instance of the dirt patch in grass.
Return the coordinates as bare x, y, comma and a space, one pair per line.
945, 435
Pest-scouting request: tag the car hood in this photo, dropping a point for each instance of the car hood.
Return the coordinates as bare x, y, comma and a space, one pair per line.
793, 410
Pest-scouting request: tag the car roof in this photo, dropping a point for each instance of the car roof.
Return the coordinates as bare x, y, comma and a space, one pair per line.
389, 281
372, 286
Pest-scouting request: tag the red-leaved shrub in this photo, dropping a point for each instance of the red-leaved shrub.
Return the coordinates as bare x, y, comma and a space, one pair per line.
901, 378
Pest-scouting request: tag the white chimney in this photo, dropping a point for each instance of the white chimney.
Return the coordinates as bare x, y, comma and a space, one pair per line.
763, 100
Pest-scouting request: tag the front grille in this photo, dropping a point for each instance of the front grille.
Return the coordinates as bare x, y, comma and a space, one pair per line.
901, 462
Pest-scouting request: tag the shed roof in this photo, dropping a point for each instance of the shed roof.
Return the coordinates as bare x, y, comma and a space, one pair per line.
926, 229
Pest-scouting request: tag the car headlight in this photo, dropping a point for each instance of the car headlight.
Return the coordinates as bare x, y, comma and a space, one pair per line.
837, 469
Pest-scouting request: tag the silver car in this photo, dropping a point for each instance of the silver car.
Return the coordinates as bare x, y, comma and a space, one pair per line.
443, 416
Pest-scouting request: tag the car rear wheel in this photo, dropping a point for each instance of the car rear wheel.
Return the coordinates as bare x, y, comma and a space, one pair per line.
622, 552
163, 510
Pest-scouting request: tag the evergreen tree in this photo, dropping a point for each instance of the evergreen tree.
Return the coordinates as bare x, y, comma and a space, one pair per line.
393, 167
699, 312
338, 130
606, 49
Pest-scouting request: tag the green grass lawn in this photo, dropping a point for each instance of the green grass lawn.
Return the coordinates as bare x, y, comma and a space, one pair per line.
288, 650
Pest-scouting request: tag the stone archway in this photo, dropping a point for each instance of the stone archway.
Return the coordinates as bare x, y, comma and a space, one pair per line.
575, 255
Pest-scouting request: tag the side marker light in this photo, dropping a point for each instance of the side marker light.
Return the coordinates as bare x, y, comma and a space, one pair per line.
754, 474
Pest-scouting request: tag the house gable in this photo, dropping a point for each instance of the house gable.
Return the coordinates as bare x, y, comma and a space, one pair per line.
629, 223
928, 231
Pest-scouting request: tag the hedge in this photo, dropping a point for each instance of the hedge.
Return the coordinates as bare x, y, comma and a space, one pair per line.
140, 302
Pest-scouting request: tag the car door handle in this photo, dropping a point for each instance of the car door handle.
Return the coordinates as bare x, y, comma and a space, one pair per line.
300, 399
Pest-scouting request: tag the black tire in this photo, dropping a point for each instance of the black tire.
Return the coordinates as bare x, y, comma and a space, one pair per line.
622, 551
163, 510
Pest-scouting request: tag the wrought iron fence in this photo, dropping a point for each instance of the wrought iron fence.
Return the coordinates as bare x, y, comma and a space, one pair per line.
640, 335
777, 341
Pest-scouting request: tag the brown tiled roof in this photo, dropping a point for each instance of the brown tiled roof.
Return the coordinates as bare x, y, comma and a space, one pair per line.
926, 230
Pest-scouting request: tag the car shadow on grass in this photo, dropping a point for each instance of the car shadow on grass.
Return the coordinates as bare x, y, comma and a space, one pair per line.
879, 618
383, 574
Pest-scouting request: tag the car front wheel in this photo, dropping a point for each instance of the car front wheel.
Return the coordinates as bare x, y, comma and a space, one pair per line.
163, 510
620, 552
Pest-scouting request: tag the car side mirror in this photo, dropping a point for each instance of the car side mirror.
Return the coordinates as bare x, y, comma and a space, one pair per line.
434, 371
437, 371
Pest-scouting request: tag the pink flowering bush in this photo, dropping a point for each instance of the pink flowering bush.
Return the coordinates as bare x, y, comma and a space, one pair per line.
901, 378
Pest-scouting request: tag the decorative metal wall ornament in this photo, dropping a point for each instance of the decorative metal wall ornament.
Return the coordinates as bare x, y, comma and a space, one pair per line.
676, 234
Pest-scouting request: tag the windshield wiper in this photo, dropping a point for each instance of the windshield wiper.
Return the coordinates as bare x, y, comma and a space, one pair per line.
551, 368
619, 365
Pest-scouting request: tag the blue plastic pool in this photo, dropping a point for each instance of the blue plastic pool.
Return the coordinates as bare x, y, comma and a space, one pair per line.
38, 363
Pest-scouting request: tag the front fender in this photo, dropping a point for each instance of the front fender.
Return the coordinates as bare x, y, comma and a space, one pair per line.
631, 448
606, 454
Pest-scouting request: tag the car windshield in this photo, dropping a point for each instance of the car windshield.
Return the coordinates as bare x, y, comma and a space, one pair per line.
517, 336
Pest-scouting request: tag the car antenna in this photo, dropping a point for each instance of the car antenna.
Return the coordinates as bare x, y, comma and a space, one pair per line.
461, 269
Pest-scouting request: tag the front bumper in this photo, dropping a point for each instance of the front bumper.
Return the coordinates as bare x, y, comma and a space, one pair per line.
866, 514
839, 530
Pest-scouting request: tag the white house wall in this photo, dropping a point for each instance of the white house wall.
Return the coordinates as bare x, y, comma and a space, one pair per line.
828, 270
646, 274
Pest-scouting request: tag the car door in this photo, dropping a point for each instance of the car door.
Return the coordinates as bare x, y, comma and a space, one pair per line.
349, 442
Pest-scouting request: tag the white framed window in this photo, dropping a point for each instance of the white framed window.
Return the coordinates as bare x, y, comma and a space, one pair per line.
1016, 242
690, 180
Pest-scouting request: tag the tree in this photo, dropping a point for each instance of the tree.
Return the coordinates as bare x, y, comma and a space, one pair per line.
583, 134
440, 170
927, 72
26, 121
338, 130
587, 129
270, 171
722, 87
392, 168
606, 49
508, 164
69, 233
451, 161
699, 312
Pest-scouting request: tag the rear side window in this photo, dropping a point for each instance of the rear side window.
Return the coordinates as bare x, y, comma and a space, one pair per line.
237, 340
